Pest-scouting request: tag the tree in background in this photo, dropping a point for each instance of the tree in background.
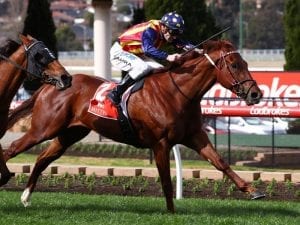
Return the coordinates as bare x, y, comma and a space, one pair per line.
139, 16
226, 13
199, 22
39, 24
263, 28
66, 39
262, 22
292, 34
12, 15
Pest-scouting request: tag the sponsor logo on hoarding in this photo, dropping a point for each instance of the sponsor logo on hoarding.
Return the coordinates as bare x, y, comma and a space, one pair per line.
281, 97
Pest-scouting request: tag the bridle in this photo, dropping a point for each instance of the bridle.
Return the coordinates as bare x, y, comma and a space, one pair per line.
34, 70
236, 86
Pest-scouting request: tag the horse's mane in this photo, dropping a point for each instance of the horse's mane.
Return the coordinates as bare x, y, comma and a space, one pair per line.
178, 63
9, 47
208, 46
212, 45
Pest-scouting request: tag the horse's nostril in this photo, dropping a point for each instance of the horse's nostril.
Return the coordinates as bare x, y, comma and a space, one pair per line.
255, 95
66, 78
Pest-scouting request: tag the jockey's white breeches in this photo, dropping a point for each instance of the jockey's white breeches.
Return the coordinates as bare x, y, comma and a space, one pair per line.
134, 65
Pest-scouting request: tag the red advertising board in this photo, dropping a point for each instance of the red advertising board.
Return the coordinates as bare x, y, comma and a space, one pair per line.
281, 97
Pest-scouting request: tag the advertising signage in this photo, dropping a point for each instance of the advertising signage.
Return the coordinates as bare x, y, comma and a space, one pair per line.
281, 97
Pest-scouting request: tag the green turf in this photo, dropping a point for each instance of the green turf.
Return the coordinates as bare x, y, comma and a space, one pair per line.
61, 208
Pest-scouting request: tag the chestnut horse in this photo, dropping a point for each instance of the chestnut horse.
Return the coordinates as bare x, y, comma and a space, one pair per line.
165, 112
34, 60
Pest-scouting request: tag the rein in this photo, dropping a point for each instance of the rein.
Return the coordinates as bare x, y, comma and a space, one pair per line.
178, 88
15, 64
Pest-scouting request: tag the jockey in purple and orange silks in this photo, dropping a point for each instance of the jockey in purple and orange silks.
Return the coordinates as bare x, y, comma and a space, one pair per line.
137, 48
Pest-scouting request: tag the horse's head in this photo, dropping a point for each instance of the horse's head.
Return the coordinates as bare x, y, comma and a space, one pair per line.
232, 71
42, 64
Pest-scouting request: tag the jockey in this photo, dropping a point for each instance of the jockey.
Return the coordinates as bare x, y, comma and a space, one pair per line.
137, 48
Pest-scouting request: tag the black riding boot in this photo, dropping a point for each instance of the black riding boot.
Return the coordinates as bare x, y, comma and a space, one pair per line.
115, 94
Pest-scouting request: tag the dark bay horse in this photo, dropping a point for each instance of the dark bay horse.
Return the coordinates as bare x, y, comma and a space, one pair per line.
33, 59
165, 112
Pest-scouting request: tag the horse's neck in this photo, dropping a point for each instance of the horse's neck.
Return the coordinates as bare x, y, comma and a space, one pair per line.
194, 84
11, 76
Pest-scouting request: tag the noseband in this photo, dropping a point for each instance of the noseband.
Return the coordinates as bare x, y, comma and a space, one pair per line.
236, 86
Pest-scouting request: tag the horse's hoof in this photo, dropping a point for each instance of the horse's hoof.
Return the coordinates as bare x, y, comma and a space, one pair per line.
25, 197
5, 178
257, 195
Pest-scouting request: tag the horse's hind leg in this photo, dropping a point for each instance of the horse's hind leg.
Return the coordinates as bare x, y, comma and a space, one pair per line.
57, 147
208, 152
4, 171
162, 159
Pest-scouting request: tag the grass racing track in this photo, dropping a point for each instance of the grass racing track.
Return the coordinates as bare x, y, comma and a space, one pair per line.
63, 208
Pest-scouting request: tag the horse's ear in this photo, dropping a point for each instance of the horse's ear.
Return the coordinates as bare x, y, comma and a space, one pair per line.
21, 36
29, 37
24, 39
209, 45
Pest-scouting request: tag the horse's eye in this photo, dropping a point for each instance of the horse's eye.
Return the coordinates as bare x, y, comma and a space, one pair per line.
234, 66
38, 57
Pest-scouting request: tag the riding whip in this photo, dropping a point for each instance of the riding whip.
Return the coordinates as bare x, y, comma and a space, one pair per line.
211, 37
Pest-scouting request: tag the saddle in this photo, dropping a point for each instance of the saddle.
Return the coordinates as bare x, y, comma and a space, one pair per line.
101, 106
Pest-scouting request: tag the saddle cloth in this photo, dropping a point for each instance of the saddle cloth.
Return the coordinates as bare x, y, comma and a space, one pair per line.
101, 106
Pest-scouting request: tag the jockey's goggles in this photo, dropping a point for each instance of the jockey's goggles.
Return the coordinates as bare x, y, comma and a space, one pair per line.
175, 32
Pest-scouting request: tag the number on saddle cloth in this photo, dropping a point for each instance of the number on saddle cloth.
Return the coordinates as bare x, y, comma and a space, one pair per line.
100, 105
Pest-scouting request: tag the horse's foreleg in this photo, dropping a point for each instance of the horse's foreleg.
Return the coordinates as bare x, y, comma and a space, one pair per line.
29, 139
162, 159
214, 158
51, 153
207, 151
4, 171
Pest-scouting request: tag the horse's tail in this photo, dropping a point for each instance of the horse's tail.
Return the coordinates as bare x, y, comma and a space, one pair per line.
22, 110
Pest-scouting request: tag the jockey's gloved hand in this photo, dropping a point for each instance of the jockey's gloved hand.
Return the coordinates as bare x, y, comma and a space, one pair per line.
189, 47
173, 57
199, 50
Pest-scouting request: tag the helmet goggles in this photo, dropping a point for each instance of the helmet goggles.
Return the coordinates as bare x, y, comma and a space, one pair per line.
174, 32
